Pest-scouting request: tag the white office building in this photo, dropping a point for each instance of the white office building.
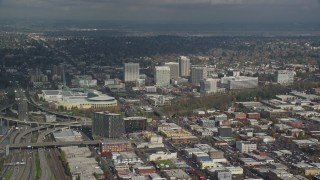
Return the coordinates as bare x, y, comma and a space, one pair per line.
208, 86
184, 65
284, 77
239, 82
162, 75
131, 72
174, 69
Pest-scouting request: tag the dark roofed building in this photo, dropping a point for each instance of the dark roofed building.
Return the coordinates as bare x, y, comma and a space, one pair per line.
134, 124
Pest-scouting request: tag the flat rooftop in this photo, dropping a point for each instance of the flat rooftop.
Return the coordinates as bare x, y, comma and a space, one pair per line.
178, 173
107, 113
136, 118
66, 133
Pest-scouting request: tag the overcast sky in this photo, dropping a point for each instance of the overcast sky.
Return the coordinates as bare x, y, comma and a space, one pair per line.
166, 11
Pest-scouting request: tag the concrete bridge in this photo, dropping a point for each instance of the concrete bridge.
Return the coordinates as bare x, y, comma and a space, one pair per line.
54, 124
49, 144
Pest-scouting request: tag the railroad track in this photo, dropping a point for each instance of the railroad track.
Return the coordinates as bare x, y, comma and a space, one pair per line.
58, 168
46, 172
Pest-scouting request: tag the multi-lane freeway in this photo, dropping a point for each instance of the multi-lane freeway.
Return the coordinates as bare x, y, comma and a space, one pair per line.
23, 163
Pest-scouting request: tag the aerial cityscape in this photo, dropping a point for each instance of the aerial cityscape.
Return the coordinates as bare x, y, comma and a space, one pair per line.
168, 95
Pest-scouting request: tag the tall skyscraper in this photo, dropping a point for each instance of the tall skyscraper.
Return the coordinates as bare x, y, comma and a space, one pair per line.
57, 72
174, 69
131, 72
107, 125
284, 77
198, 73
184, 65
162, 75
208, 86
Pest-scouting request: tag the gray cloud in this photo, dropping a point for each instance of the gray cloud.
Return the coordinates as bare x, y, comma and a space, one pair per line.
166, 10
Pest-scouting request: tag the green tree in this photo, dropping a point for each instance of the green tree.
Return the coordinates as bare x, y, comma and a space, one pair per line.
301, 135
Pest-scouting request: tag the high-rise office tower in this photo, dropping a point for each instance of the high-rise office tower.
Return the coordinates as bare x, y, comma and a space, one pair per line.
198, 73
184, 65
162, 75
131, 72
108, 125
174, 69
208, 86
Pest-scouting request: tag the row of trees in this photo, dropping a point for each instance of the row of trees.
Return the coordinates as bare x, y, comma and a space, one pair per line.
224, 100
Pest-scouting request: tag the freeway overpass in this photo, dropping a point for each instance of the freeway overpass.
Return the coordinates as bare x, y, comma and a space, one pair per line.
45, 133
49, 144
28, 131
34, 103
72, 123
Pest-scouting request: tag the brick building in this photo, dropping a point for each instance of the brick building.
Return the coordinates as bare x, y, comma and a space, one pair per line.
239, 115
253, 115
114, 146
184, 139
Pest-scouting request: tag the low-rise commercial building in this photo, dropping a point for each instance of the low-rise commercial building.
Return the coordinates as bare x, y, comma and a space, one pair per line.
176, 174
239, 115
204, 147
126, 158
246, 146
80, 164
222, 175
311, 171
176, 133
168, 126
225, 131
216, 154
201, 156
184, 139
209, 164
279, 174
145, 170
235, 170
189, 151
250, 162
134, 124
162, 155
254, 115
119, 145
